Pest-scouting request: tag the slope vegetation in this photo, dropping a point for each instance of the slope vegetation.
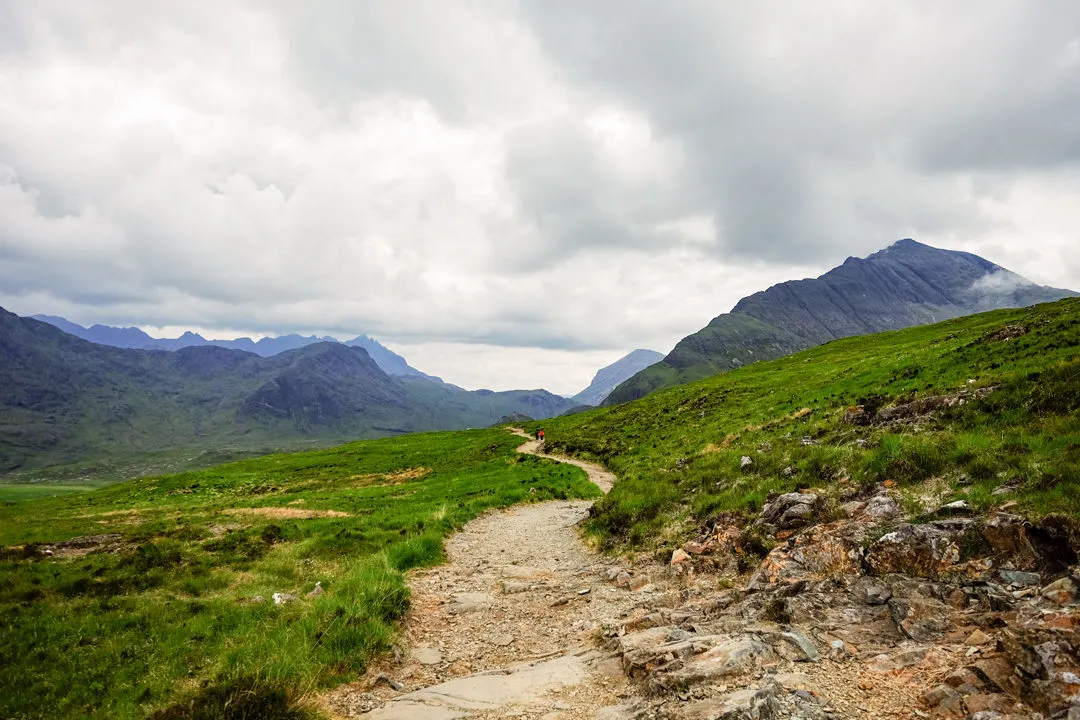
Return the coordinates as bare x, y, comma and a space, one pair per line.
982, 409
906, 284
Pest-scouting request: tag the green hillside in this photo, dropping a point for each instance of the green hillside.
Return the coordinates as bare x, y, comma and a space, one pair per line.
678, 453
165, 602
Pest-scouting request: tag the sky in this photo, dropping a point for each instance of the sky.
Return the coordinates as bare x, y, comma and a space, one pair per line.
514, 193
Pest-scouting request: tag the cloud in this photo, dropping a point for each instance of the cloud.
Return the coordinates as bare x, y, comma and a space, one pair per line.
582, 178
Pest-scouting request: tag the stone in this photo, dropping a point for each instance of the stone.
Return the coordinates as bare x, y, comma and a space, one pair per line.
427, 655
745, 461
871, 591
316, 591
1061, 591
919, 618
283, 598
623, 580
926, 551
463, 603
806, 651
502, 639
1019, 578
999, 674
881, 508
513, 587
959, 507
727, 656
1007, 535
679, 556
978, 637
790, 510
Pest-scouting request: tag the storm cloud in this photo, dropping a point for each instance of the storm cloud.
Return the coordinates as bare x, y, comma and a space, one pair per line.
512, 192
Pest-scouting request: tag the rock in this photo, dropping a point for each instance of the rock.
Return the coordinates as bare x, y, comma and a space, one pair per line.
871, 591
726, 657
1062, 591
463, 603
790, 510
882, 507
317, 590
624, 711
926, 551
1019, 578
745, 461
679, 556
513, 587
959, 507
1007, 535
999, 674
803, 646
501, 639
283, 598
978, 637
387, 680
427, 655
919, 618
623, 580
771, 700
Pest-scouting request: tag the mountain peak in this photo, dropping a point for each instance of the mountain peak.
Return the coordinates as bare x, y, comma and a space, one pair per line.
908, 283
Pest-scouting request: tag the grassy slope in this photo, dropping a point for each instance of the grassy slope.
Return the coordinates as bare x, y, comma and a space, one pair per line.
677, 452
161, 622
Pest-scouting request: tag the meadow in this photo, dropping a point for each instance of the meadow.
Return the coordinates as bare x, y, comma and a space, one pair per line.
160, 602
1015, 440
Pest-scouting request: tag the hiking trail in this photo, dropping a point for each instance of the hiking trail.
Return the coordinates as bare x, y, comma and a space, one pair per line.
507, 627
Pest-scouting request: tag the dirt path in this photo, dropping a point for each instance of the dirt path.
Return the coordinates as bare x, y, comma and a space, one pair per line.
520, 587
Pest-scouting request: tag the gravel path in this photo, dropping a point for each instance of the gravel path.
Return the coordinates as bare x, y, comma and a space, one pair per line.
520, 585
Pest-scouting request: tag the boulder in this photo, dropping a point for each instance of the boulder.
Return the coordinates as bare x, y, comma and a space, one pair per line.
790, 510
882, 507
926, 551
920, 618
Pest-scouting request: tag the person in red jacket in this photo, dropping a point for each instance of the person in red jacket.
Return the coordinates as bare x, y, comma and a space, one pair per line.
540, 435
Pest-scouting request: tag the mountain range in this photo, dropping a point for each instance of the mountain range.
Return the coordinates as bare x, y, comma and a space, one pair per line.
134, 338
906, 284
608, 378
65, 400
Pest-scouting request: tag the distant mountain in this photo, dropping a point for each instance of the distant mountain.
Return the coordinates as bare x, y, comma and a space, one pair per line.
134, 338
906, 284
65, 400
608, 378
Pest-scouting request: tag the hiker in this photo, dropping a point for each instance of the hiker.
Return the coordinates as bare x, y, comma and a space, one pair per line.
540, 435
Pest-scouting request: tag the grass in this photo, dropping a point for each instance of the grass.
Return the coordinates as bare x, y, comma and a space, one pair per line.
11, 492
162, 619
678, 452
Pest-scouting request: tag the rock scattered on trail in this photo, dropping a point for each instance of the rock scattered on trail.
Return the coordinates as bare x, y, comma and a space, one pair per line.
283, 598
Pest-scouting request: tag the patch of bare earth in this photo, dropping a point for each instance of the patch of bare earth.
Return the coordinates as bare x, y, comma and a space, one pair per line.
285, 513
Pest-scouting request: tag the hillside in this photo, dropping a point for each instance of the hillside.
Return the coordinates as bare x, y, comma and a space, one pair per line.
609, 377
904, 285
135, 339
984, 402
66, 400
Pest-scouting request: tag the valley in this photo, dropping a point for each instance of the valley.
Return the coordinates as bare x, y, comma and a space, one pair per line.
892, 507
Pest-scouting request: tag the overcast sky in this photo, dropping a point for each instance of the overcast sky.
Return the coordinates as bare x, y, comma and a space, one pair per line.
512, 194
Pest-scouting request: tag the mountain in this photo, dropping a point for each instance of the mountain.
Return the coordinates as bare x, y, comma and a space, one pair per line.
906, 284
134, 338
65, 400
608, 378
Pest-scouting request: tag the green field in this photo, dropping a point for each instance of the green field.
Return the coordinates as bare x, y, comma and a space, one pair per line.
678, 453
159, 619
